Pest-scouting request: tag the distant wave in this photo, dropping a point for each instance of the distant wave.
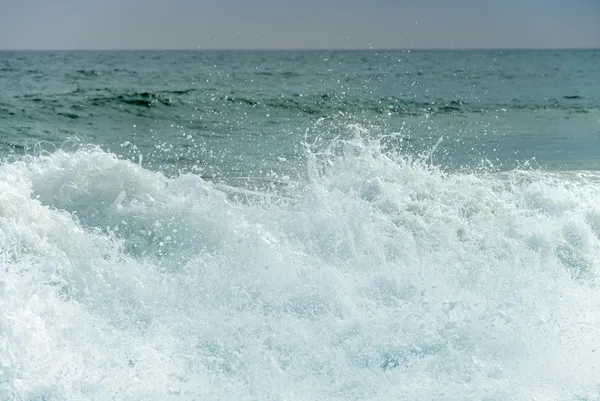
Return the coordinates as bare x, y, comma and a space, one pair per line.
324, 104
81, 103
89, 73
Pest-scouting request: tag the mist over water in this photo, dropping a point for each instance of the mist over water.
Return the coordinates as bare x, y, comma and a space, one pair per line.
272, 246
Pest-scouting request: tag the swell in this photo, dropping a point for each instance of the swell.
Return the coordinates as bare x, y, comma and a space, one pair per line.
324, 104
84, 103
111, 97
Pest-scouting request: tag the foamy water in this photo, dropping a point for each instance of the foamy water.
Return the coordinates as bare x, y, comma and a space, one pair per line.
378, 278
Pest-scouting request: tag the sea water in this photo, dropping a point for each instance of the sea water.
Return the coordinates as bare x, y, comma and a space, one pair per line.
381, 225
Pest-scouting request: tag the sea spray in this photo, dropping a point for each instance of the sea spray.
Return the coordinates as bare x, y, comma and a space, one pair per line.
381, 276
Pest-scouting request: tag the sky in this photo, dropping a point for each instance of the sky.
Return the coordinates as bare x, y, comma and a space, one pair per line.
298, 24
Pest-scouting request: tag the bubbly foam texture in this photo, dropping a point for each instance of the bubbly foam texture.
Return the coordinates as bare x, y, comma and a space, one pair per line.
380, 277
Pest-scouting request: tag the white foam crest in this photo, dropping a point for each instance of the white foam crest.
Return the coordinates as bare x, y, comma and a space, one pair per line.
380, 278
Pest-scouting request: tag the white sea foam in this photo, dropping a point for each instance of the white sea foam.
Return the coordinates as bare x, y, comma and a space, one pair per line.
378, 278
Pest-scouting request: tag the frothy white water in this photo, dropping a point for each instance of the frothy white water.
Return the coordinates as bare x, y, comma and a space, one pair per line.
378, 278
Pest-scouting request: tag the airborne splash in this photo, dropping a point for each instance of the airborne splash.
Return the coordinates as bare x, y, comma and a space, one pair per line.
377, 277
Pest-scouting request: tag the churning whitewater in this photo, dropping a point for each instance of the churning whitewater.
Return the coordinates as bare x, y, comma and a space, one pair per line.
378, 277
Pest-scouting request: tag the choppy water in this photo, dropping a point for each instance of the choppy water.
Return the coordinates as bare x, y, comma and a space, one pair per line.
300, 225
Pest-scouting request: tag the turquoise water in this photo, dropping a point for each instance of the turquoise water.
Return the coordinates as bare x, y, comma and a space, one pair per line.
234, 112
299, 225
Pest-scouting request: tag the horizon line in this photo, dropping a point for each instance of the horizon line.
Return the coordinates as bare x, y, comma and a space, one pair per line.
361, 49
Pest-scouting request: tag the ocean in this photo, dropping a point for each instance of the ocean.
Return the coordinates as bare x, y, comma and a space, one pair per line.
300, 225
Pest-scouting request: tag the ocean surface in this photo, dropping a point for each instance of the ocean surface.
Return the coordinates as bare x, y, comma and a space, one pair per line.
375, 225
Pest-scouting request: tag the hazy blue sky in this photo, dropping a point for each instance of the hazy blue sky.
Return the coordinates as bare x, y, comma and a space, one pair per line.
143, 24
